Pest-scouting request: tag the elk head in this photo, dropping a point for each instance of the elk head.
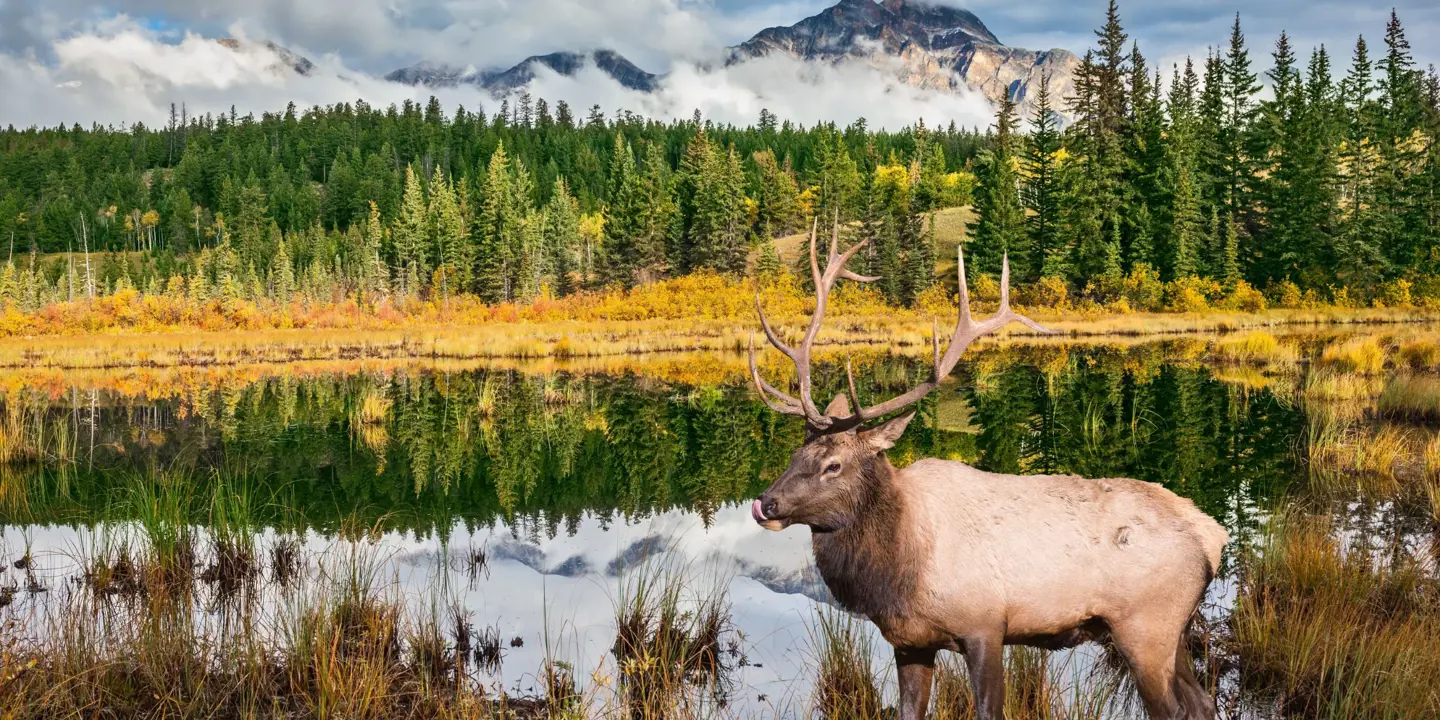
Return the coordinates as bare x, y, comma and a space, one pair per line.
833, 474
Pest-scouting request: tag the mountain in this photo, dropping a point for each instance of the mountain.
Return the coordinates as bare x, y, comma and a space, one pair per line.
933, 47
503, 81
942, 48
287, 60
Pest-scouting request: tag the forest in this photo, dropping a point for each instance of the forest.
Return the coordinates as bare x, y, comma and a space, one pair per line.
1148, 190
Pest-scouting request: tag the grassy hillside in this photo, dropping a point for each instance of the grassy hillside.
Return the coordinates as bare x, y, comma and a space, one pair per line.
950, 229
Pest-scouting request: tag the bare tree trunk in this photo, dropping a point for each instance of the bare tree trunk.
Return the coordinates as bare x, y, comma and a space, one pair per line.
85, 241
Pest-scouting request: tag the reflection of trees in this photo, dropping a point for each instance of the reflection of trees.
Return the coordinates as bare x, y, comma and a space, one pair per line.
425, 450
1106, 417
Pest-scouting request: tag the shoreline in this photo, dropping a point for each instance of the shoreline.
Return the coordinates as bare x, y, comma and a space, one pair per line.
576, 340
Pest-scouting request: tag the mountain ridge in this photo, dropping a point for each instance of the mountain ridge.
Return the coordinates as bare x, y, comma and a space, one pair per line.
931, 47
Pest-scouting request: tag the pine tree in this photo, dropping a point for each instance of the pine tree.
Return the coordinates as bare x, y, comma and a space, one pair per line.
495, 224
411, 232
1001, 219
1041, 191
562, 237
448, 233
621, 252
282, 274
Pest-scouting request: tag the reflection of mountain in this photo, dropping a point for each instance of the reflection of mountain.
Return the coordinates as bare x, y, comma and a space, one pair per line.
940, 48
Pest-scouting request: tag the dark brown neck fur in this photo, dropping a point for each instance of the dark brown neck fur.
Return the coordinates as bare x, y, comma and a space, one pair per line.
868, 562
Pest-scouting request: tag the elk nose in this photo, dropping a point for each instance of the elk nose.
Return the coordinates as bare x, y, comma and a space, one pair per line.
769, 506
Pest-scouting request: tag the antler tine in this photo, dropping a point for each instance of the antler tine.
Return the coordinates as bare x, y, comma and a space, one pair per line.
850, 379
814, 261
935, 343
835, 235
1004, 284
786, 405
966, 332
964, 288
770, 333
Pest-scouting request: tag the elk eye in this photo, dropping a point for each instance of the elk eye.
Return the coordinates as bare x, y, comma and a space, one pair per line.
832, 468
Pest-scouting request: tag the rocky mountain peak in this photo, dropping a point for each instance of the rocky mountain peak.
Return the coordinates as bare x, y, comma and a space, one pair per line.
938, 47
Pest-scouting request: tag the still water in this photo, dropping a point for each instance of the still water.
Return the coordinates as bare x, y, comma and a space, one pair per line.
567, 482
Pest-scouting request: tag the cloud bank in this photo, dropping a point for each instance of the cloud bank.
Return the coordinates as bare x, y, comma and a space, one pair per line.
124, 72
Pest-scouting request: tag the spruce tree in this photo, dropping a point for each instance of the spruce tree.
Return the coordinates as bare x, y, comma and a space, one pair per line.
411, 233
656, 211
621, 252
562, 237
1000, 227
1240, 87
452, 247
282, 274
1041, 190
495, 224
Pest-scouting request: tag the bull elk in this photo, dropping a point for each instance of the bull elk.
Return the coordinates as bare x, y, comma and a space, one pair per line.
941, 556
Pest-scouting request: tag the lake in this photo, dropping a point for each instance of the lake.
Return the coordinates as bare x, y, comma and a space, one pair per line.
539, 502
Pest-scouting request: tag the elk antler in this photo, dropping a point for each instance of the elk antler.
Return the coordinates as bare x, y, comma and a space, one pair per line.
824, 282
967, 330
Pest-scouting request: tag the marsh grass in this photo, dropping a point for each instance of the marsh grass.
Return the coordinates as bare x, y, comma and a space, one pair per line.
1411, 397
847, 683
1039, 685
123, 640
1364, 355
1256, 347
1325, 630
672, 626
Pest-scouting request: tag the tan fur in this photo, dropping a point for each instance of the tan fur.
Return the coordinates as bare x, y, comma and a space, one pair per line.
942, 556
1044, 554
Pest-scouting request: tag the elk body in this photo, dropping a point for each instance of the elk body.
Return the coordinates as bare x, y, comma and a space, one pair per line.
941, 556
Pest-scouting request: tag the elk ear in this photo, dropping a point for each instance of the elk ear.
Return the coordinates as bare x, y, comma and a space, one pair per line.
884, 435
839, 407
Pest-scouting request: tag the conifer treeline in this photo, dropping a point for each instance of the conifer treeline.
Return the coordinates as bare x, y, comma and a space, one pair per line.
1320, 187
1161, 192
353, 200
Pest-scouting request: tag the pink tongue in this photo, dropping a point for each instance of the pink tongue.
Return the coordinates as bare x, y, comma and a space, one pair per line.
756, 512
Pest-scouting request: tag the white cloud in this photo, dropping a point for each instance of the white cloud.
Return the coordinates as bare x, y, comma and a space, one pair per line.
125, 73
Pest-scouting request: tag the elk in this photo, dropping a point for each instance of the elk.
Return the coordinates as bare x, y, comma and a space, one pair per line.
942, 556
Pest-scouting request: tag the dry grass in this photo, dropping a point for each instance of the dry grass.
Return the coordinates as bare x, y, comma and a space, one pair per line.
1256, 347
1420, 354
1335, 632
1361, 355
1411, 397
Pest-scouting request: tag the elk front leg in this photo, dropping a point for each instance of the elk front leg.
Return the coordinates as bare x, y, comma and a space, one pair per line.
916, 669
985, 659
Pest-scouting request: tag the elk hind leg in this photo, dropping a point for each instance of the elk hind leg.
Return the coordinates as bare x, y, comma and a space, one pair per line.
1150, 652
1194, 701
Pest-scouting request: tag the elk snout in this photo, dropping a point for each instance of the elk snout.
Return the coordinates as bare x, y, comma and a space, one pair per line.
766, 511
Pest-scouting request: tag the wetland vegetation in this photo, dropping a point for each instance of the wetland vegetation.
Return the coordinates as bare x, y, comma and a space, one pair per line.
374, 539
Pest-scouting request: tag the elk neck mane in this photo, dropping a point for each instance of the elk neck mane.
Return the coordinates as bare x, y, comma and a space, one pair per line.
871, 561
